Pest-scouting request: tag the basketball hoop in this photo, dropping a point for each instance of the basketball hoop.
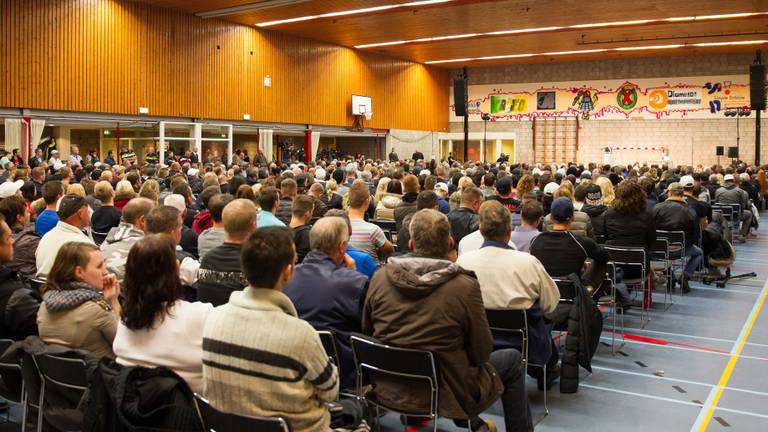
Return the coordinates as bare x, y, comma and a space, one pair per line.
368, 115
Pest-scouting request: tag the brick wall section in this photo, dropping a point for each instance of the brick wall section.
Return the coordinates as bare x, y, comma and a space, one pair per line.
680, 136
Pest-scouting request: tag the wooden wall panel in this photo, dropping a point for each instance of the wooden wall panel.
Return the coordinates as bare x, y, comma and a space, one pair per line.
114, 56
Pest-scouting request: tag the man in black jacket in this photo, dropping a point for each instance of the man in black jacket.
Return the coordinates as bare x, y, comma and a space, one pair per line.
393, 156
674, 214
464, 220
18, 303
220, 271
417, 155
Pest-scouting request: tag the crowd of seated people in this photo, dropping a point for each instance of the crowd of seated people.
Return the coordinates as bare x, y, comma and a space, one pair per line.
224, 274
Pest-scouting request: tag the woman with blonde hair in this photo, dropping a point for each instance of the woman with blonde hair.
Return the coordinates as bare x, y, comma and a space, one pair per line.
390, 199
331, 198
381, 189
150, 189
455, 199
76, 189
123, 193
80, 307
606, 187
524, 186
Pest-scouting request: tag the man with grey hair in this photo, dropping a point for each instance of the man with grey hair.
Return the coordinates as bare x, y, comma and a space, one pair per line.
327, 291
730, 193
510, 279
364, 263
220, 272
424, 301
121, 239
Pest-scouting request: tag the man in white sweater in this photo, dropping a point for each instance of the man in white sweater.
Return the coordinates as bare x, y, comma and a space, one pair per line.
73, 218
259, 358
514, 280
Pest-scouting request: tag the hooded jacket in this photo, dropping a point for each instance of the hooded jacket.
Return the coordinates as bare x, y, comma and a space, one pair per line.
385, 209
203, 220
25, 243
435, 305
405, 207
18, 306
116, 247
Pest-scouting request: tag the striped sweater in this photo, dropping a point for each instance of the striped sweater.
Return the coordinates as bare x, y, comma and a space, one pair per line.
259, 359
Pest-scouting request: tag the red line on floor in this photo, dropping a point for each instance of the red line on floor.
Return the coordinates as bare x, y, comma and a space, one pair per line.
664, 342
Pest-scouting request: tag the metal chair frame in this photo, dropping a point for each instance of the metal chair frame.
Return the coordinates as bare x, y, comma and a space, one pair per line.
676, 240
432, 378
205, 410
81, 385
517, 322
642, 282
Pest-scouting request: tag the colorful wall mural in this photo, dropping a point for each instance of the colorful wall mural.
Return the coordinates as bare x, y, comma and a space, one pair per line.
646, 98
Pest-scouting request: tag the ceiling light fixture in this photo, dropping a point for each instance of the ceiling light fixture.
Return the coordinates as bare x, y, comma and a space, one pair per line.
352, 12
592, 51
571, 27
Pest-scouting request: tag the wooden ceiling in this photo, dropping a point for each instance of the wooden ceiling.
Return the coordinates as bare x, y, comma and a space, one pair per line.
483, 16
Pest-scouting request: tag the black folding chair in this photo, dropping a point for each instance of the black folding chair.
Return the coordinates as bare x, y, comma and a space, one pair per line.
633, 257
58, 371
389, 228
515, 321
215, 420
415, 370
675, 254
11, 382
36, 284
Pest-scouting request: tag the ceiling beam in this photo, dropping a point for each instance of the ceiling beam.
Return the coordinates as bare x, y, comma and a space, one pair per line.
234, 10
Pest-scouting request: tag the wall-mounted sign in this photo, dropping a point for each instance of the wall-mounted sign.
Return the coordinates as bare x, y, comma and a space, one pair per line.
650, 98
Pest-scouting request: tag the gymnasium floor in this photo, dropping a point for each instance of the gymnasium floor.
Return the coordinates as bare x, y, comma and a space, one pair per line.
700, 366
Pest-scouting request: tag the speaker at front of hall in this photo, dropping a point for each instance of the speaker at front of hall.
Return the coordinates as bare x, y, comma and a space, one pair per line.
459, 97
757, 87
733, 152
719, 151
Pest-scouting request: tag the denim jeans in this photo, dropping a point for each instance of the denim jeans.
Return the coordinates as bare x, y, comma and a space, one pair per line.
517, 413
695, 258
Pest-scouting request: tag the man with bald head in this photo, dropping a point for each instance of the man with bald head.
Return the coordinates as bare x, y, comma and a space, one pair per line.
327, 291
220, 271
120, 239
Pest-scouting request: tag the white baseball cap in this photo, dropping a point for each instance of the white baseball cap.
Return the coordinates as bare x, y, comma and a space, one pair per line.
192, 171
686, 181
176, 201
442, 186
57, 166
550, 188
9, 189
728, 177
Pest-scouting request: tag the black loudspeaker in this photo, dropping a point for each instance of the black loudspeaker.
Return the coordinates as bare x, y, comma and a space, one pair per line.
757, 86
733, 152
720, 150
460, 97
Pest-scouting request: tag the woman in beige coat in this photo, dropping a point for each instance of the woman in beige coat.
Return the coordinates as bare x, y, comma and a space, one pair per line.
80, 308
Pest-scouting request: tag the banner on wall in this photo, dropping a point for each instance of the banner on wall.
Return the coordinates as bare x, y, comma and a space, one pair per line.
647, 98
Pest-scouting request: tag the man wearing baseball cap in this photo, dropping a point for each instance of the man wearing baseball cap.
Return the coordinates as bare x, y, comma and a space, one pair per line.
732, 194
674, 214
9, 188
73, 218
702, 209
441, 189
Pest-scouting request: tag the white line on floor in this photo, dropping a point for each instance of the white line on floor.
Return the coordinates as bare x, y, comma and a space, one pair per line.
664, 399
666, 378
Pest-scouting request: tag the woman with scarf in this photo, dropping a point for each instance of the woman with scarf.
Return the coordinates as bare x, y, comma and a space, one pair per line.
80, 306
